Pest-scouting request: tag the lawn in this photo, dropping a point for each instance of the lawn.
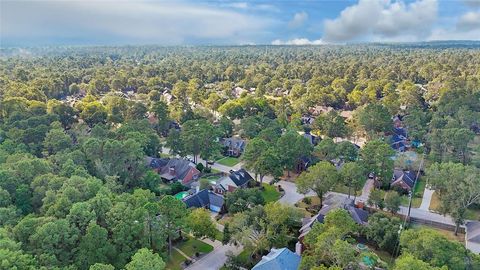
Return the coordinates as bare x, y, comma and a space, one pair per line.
270, 193
246, 260
193, 245
344, 189
218, 235
416, 202
215, 171
314, 200
188, 247
472, 213
228, 161
435, 202
418, 195
212, 179
224, 219
448, 234
175, 260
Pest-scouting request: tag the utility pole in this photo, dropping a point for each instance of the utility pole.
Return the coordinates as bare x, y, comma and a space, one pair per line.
414, 184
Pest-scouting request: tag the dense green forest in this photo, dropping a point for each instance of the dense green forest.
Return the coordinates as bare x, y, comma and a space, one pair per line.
76, 124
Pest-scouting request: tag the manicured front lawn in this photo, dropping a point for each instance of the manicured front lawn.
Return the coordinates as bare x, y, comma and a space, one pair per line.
218, 235
417, 195
188, 247
228, 161
193, 245
344, 189
246, 260
270, 193
416, 202
175, 260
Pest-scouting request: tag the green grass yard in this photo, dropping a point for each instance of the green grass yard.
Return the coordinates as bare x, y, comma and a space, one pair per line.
344, 189
174, 261
188, 247
472, 213
194, 245
228, 161
270, 193
417, 195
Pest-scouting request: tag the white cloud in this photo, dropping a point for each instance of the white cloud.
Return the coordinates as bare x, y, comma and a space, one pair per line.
250, 6
129, 21
241, 5
298, 19
382, 20
298, 41
469, 21
466, 28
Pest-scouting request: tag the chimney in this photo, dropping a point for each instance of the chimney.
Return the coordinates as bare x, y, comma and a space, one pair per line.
298, 248
172, 170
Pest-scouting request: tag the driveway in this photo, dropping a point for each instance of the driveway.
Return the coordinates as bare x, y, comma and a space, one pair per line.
427, 198
215, 259
291, 195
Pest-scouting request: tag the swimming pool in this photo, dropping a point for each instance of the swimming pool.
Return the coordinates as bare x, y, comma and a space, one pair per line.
181, 195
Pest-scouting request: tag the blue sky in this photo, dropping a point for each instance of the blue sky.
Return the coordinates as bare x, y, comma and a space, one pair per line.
188, 22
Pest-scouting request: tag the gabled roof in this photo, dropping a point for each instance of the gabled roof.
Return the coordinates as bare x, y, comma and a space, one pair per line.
236, 143
279, 259
407, 177
473, 232
198, 200
156, 163
216, 200
240, 177
359, 215
181, 166
400, 132
203, 198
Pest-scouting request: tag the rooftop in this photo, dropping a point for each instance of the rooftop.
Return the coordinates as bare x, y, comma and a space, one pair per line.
279, 259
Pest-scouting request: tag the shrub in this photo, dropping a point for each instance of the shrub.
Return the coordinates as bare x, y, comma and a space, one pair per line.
307, 200
200, 167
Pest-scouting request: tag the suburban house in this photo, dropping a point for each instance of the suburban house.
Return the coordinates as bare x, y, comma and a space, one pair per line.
234, 147
175, 169
399, 135
403, 179
302, 164
307, 120
206, 199
312, 139
359, 215
236, 179
279, 259
472, 236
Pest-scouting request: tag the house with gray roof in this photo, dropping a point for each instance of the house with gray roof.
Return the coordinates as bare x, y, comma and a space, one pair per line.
472, 236
279, 259
234, 146
236, 179
205, 199
359, 215
175, 169
403, 179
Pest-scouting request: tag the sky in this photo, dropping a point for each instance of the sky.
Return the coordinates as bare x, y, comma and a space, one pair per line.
217, 22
